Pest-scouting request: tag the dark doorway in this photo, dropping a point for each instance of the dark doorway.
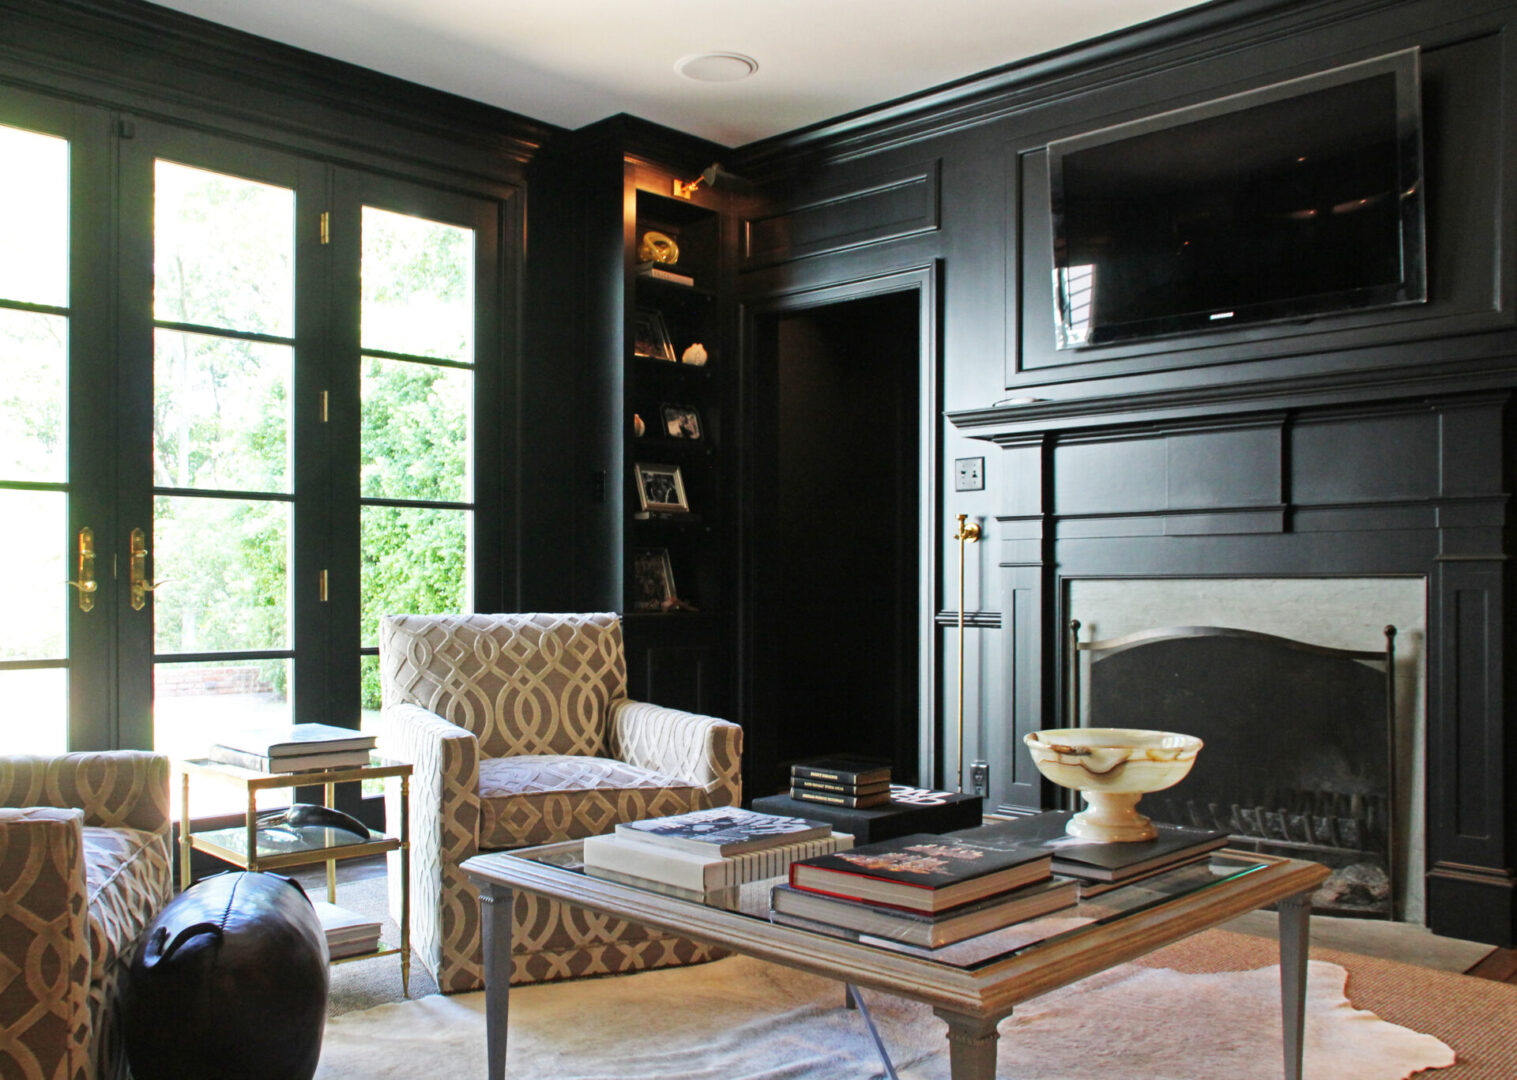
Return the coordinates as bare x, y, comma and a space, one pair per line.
833, 545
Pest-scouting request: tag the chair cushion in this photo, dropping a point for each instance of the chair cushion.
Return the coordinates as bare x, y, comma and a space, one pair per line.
546, 798
128, 878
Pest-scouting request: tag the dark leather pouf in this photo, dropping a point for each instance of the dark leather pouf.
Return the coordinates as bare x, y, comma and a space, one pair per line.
229, 983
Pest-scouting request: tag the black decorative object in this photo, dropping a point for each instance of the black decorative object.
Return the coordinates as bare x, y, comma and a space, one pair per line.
229, 981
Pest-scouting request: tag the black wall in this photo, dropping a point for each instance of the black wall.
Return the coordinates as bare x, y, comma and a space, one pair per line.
1370, 443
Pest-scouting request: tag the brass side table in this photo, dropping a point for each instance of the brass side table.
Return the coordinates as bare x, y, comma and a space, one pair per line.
242, 846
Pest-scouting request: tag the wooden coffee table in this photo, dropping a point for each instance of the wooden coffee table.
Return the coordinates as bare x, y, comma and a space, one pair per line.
971, 986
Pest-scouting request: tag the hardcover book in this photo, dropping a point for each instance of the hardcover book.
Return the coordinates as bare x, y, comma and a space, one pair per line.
921, 872
841, 787
842, 768
696, 872
806, 793
723, 830
286, 739
930, 931
659, 273
1095, 861
267, 763
347, 933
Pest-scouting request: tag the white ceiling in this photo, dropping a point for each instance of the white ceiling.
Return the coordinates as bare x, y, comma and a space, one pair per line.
571, 62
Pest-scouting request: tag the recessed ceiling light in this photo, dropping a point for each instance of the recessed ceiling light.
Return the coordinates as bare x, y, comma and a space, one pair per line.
716, 66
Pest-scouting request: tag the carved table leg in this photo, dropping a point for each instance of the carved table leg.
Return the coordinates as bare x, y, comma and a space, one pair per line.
1295, 915
971, 1046
495, 902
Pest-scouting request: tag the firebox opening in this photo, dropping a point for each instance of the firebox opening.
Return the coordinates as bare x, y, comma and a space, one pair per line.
1304, 757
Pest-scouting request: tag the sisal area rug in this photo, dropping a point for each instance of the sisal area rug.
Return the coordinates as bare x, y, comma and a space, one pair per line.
741, 1019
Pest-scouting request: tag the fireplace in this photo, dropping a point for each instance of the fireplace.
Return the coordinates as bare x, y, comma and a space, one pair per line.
1290, 515
1291, 694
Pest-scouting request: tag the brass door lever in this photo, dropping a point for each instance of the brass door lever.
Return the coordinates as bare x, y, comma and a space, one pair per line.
86, 583
137, 571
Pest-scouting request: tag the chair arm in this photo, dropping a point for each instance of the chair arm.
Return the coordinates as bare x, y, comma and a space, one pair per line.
444, 781
44, 939
115, 788
701, 750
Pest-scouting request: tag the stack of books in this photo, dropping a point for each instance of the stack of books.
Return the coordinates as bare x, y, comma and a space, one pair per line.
706, 851
1095, 863
347, 932
294, 748
922, 890
854, 782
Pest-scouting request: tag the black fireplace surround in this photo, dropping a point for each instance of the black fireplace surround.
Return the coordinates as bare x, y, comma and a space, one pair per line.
1388, 487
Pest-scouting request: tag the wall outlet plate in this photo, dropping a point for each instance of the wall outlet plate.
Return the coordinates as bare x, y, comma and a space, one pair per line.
969, 474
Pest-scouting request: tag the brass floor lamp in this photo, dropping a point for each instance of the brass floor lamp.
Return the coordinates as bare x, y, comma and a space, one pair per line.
969, 533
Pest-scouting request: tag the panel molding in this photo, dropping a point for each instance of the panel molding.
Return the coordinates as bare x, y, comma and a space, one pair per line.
892, 205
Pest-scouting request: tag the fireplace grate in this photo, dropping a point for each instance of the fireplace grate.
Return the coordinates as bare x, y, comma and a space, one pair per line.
1298, 755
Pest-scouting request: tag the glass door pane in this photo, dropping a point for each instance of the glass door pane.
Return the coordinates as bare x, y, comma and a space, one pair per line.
34, 469
222, 455
416, 441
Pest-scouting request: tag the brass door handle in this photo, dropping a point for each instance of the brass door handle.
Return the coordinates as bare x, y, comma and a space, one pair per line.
86, 583
137, 571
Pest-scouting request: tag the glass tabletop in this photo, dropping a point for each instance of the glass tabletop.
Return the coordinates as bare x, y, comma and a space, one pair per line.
284, 839
1097, 904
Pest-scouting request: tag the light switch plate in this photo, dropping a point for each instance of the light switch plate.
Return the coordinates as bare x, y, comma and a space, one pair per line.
969, 474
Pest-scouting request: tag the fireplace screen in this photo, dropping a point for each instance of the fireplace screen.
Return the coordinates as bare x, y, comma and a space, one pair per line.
1298, 757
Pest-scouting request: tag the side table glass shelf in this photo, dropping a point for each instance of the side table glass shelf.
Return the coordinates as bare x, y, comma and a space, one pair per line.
249, 848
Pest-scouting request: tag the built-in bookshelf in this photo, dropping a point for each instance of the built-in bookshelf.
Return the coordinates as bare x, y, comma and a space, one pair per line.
676, 376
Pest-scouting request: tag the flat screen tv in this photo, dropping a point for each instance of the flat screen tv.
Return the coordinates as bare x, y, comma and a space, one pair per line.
1290, 202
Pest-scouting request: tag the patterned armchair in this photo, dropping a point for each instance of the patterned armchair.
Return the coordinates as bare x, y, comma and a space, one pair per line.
84, 866
521, 733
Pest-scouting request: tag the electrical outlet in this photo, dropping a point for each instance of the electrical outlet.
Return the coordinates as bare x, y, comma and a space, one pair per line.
979, 777
969, 474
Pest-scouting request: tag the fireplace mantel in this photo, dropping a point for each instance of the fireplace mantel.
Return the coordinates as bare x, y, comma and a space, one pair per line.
1270, 487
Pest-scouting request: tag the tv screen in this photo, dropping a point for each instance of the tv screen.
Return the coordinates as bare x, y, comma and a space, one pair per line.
1293, 201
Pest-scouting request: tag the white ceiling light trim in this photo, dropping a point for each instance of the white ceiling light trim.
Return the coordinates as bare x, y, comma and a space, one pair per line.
716, 66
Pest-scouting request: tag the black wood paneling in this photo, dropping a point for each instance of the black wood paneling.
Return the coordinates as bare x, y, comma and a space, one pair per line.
1359, 444
1342, 459
1406, 488
898, 204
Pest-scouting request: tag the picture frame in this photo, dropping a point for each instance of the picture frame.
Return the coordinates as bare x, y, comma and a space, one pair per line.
681, 421
652, 581
650, 336
661, 488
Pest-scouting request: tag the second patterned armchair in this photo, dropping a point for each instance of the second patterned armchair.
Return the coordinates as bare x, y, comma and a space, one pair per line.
521, 733
84, 867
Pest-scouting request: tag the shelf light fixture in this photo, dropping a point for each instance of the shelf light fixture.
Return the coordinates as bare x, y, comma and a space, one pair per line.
713, 176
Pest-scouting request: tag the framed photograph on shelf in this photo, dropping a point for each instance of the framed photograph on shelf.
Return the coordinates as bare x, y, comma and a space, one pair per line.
650, 336
681, 422
661, 488
652, 585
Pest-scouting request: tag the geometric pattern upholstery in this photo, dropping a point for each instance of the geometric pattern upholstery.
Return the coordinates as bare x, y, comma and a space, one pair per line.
520, 733
536, 684
44, 974
77, 887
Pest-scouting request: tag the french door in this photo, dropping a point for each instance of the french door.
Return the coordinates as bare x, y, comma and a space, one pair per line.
56, 471
274, 429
